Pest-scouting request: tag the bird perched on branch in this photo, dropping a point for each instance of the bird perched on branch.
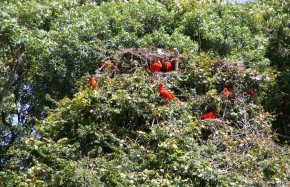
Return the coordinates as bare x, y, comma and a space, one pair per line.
226, 92
92, 83
167, 66
208, 115
108, 64
251, 93
156, 66
164, 93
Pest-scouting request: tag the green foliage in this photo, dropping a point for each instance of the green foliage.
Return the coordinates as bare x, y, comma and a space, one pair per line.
36, 14
79, 38
15, 61
228, 30
278, 30
123, 133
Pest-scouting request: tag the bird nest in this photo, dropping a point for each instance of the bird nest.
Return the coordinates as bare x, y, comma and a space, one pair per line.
127, 61
144, 57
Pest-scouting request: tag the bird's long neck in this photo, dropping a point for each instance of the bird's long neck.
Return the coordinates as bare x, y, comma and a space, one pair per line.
160, 87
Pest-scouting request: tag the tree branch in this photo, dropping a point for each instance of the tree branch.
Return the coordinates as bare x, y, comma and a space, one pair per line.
9, 125
283, 136
11, 77
175, 60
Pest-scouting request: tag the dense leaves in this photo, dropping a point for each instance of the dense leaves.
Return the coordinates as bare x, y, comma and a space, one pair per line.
127, 129
278, 30
60, 129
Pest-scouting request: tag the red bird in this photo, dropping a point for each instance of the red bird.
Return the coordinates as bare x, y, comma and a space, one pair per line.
164, 93
252, 93
209, 115
156, 66
112, 66
167, 66
92, 83
226, 92
106, 64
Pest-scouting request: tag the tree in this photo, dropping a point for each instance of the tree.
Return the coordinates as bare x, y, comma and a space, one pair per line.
122, 133
15, 63
278, 31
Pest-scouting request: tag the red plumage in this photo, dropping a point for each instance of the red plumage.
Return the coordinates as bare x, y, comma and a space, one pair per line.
156, 66
226, 92
164, 93
252, 93
112, 66
106, 64
209, 115
167, 66
92, 83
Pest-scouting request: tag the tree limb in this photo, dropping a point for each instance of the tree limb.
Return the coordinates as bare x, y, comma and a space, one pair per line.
9, 125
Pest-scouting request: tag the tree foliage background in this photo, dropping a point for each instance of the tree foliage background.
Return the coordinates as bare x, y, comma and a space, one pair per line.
56, 131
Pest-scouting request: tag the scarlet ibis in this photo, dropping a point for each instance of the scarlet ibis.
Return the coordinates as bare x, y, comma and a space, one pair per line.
208, 115
167, 66
112, 66
156, 66
252, 93
106, 64
92, 83
164, 93
226, 92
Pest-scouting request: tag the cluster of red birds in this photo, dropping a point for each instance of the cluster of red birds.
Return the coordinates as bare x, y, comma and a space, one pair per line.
92, 83
164, 93
108, 64
105, 65
156, 66
225, 92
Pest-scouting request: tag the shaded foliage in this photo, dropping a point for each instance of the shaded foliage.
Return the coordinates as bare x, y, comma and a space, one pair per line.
278, 29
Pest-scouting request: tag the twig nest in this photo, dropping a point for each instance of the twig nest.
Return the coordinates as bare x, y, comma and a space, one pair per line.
147, 56
225, 66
